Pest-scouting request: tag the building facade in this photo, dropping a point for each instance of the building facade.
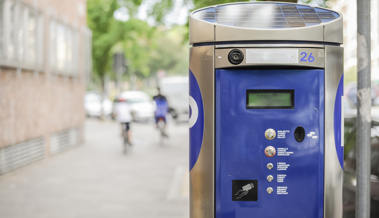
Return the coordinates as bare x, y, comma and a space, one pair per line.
349, 11
45, 60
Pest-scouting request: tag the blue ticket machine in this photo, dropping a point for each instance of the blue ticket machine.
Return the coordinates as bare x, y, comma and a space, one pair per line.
266, 87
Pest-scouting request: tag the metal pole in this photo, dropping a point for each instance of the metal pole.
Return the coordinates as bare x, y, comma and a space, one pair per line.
362, 198
119, 81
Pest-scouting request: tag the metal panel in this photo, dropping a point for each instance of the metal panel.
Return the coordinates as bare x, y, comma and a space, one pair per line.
221, 56
64, 140
333, 31
240, 144
273, 45
227, 33
202, 174
20, 154
333, 171
200, 31
266, 15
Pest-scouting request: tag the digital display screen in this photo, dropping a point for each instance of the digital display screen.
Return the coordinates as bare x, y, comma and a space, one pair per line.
270, 99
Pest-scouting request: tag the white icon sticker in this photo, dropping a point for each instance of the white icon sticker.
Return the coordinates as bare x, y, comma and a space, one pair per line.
245, 190
194, 112
312, 135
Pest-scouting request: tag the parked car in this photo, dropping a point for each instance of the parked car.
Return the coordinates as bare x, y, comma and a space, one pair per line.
350, 180
141, 105
92, 105
177, 93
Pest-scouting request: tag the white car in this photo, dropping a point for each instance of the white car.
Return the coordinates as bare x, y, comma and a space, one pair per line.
141, 105
176, 90
92, 105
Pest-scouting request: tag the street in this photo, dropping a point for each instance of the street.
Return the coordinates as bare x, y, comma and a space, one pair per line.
97, 180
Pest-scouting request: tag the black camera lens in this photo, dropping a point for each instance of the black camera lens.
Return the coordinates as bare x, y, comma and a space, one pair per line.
235, 56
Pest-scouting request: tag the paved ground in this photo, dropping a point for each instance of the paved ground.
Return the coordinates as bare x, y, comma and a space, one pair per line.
96, 180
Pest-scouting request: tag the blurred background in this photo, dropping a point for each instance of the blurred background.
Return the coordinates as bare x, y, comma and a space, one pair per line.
64, 68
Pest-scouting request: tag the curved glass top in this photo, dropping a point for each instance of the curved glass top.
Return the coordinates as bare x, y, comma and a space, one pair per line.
267, 16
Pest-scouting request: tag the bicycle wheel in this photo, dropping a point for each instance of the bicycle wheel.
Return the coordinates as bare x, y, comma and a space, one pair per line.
126, 142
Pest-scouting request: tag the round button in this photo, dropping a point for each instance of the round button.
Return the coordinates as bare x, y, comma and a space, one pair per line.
270, 151
270, 166
270, 134
270, 190
270, 178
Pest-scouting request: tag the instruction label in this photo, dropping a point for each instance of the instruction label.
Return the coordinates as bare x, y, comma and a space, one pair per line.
284, 152
282, 134
282, 166
281, 190
280, 177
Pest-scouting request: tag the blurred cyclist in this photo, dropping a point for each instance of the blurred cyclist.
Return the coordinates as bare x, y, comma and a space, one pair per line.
161, 110
124, 117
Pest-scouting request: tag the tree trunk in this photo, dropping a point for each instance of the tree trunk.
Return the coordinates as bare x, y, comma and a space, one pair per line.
102, 77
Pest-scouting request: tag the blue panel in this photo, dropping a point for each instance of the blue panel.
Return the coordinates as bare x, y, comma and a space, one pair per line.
337, 122
196, 119
240, 144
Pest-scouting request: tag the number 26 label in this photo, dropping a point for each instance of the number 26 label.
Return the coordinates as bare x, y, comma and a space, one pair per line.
306, 58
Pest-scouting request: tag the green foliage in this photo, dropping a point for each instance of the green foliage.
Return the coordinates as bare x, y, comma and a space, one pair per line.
170, 53
350, 75
105, 32
147, 48
205, 3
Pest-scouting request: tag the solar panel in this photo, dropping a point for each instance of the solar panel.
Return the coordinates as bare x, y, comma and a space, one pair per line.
252, 15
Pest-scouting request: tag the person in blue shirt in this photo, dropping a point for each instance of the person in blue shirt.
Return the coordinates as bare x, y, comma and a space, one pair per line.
161, 109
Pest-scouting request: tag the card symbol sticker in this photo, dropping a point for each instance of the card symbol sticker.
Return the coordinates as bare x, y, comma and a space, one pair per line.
312, 135
245, 190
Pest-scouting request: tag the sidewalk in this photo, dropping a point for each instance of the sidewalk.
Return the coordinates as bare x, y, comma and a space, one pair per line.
97, 180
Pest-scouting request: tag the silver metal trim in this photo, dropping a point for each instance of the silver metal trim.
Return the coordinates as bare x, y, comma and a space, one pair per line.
271, 46
333, 173
201, 31
202, 174
228, 33
333, 32
221, 56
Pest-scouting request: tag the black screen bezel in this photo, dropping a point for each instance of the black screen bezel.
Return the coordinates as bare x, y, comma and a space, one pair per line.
288, 91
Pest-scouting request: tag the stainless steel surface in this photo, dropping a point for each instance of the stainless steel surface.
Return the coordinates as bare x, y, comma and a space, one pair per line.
270, 166
270, 190
221, 56
228, 33
270, 134
333, 173
270, 178
202, 174
363, 154
333, 31
201, 31
306, 45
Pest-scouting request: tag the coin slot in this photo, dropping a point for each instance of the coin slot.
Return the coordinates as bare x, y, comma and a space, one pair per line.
299, 134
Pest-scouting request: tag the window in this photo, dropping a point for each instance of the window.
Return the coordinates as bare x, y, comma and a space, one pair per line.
1, 28
87, 47
64, 48
21, 37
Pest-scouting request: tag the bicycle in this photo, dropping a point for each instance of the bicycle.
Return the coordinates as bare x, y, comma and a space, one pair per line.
161, 126
125, 137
